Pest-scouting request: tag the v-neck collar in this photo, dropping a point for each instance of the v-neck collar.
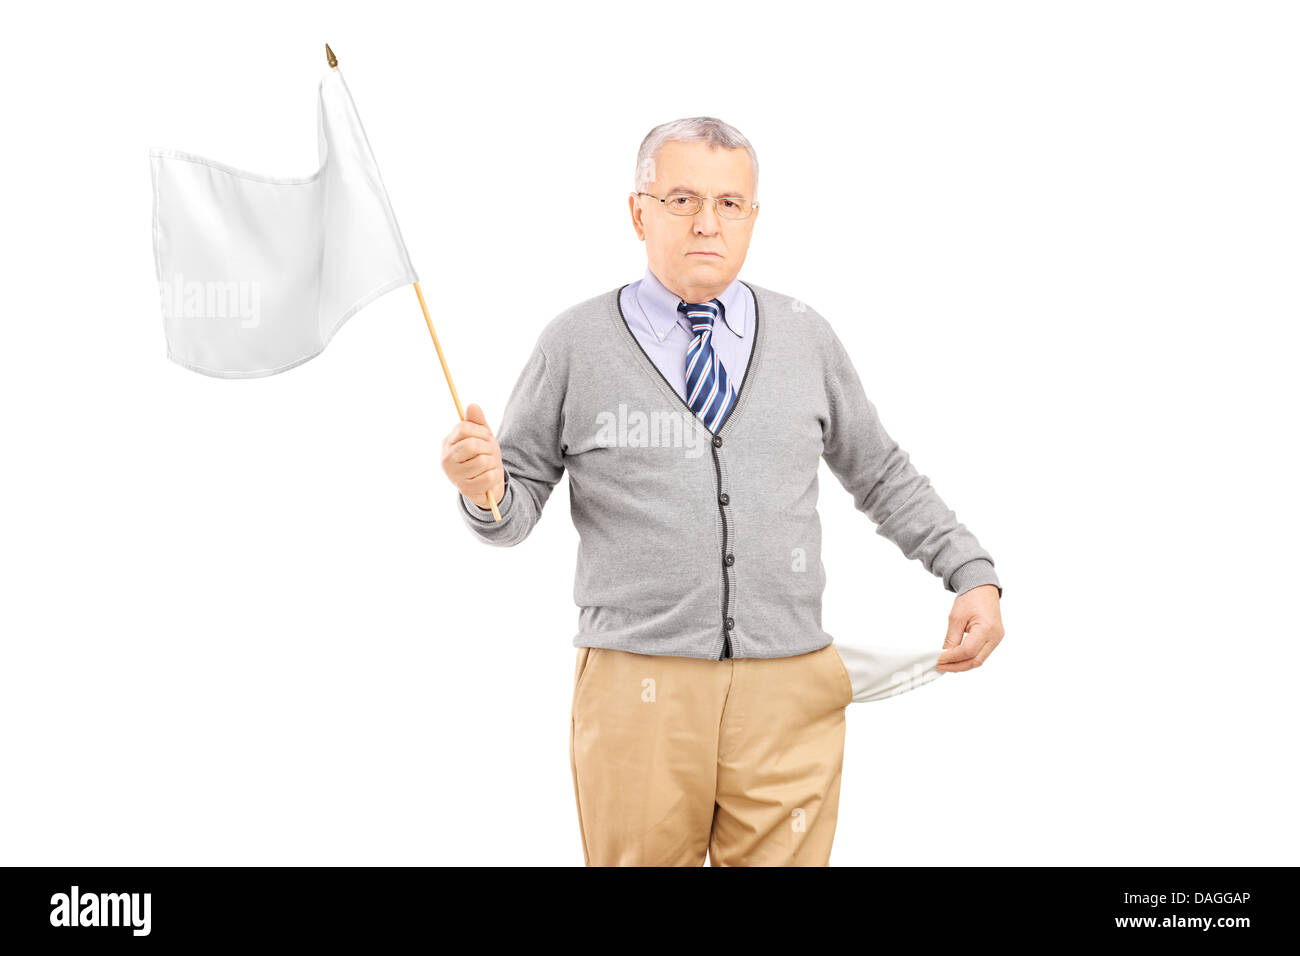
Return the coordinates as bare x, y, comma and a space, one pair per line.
760, 336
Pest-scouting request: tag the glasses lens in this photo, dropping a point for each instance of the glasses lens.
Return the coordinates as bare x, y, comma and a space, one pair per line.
682, 204
734, 208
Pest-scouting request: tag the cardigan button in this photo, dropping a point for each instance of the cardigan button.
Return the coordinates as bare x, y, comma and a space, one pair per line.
724, 498
731, 559
730, 623
717, 441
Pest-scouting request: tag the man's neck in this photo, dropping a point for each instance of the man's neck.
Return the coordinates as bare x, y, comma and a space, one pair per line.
695, 294
690, 294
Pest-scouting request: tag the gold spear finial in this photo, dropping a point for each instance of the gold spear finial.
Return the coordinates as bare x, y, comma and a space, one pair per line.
330, 58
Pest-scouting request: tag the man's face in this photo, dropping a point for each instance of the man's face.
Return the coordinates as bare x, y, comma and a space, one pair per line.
696, 256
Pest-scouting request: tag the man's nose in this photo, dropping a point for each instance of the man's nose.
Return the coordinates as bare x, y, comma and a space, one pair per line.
706, 220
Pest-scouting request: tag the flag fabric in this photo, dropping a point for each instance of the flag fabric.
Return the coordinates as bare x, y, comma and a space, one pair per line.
256, 273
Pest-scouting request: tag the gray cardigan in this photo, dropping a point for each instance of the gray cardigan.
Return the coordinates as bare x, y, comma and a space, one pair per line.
701, 545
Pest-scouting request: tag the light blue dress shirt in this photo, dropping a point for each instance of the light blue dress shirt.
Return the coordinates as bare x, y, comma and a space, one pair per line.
651, 312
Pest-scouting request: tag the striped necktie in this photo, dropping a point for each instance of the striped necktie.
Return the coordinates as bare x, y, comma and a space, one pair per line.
709, 391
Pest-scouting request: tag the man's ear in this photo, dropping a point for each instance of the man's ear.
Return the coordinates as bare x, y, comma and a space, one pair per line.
635, 208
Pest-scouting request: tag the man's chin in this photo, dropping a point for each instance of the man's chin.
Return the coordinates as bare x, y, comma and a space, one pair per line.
707, 267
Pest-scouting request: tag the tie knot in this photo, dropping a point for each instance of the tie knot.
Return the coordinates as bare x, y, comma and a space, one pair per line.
704, 312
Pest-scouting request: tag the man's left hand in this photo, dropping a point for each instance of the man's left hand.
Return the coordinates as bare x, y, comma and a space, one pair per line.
976, 615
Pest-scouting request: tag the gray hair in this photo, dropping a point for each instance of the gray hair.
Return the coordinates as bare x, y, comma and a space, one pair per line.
707, 129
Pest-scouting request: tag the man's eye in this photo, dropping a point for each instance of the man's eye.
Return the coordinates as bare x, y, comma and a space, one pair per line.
730, 203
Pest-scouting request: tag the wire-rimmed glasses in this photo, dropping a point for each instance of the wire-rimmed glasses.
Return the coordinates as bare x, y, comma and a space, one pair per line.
733, 208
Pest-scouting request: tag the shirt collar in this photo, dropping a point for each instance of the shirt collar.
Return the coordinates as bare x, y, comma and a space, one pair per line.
660, 306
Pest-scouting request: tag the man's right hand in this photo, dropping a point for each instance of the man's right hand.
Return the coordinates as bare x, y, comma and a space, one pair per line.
471, 459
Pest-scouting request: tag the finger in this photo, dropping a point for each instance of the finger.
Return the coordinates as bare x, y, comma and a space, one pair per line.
956, 628
488, 466
474, 414
971, 659
987, 649
957, 647
968, 650
464, 430
469, 448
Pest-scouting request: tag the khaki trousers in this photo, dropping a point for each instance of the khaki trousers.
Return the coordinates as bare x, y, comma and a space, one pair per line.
676, 756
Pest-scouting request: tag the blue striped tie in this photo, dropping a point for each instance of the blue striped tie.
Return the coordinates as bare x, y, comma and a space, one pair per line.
709, 391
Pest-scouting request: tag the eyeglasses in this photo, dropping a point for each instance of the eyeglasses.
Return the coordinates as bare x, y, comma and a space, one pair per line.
729, 207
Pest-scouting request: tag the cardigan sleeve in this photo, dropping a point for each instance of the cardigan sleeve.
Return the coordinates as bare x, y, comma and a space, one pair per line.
887, 487
531, 452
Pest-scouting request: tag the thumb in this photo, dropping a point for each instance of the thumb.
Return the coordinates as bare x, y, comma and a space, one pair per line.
475, 414
956, 629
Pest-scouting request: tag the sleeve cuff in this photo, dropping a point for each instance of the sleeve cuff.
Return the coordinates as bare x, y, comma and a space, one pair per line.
485, 514
970, 575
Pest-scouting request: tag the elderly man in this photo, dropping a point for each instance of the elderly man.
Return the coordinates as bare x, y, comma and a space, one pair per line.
691, 410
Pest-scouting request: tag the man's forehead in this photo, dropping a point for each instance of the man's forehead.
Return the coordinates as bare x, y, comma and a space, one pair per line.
685, 167
700, 190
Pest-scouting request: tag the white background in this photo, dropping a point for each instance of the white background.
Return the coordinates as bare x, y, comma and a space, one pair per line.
242, 622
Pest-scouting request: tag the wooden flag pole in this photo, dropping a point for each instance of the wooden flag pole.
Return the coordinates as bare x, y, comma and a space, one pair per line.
332, 60
447, 372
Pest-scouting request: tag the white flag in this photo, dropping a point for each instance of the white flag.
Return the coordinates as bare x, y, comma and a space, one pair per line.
257, 273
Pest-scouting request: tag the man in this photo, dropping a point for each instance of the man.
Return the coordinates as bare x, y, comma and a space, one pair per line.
691, 411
